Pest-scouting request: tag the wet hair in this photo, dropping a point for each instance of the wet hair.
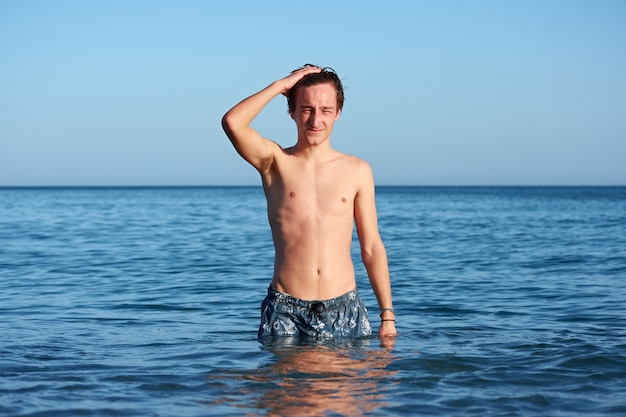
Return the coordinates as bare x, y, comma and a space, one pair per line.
326, 76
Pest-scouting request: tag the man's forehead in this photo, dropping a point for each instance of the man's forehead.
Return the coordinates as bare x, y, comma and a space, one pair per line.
318, 92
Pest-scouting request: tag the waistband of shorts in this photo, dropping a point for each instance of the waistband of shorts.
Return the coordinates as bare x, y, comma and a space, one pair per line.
337, 301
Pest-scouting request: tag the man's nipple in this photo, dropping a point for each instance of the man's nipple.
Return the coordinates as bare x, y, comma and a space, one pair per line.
292, 194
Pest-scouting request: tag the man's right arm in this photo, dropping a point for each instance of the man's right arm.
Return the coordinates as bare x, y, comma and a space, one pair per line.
255, 149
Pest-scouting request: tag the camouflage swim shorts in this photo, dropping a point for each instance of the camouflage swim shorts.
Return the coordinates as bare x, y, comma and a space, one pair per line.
284, 315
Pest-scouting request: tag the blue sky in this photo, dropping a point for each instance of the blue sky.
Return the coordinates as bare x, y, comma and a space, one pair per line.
437, 92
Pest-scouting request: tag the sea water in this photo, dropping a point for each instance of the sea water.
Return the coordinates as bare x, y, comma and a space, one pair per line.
510, 301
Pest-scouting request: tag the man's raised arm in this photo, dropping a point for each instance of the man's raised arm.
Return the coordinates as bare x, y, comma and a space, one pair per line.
255, 149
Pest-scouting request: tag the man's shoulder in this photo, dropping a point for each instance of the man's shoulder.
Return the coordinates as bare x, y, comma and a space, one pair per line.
352, 160
359, 166
356, 168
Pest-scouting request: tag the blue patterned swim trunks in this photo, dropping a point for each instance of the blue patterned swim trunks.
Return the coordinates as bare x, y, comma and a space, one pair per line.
284, 315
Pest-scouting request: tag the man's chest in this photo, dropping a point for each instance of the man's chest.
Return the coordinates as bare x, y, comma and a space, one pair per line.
314, 191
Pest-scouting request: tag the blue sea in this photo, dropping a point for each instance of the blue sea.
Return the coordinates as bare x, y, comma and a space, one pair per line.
510, 301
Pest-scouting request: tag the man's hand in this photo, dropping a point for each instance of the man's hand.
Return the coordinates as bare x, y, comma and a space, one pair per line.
292, 79
387, 329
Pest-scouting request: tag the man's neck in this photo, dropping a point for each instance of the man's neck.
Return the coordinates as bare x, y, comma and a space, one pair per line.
317, 152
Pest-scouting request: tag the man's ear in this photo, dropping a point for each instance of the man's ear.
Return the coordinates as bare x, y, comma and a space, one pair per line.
338, 114
293, 116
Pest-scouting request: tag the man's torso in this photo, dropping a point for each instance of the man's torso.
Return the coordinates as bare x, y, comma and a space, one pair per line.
311, 214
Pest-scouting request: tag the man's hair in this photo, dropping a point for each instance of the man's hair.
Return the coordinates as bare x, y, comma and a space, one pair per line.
326, 76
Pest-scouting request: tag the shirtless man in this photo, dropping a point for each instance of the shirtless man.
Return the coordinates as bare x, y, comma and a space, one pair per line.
314, 196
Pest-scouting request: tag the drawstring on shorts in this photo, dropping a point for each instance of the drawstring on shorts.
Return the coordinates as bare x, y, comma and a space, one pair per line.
318, 309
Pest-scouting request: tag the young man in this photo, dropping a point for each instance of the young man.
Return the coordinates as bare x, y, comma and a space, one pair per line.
314, 196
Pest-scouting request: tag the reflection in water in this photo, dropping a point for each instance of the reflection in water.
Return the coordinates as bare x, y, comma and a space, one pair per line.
313, 379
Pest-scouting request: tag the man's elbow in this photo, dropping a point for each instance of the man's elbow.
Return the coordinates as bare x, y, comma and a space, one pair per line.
227, 124
369, 254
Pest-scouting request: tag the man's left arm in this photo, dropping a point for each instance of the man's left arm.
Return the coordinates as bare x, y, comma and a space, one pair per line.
373, 252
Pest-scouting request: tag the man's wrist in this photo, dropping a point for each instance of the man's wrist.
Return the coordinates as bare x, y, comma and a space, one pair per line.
387, 314
278, 87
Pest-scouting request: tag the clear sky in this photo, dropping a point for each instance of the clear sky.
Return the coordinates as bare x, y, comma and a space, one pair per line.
474, 92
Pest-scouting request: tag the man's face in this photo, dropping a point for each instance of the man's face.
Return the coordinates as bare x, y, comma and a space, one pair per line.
315, 112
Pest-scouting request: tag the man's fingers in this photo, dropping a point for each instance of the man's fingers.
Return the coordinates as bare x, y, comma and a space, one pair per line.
315, 68
297, 75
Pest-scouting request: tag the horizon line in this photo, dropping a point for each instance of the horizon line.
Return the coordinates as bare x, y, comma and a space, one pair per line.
261, 186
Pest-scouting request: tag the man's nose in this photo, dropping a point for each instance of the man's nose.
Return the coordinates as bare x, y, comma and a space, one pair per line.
313, 118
